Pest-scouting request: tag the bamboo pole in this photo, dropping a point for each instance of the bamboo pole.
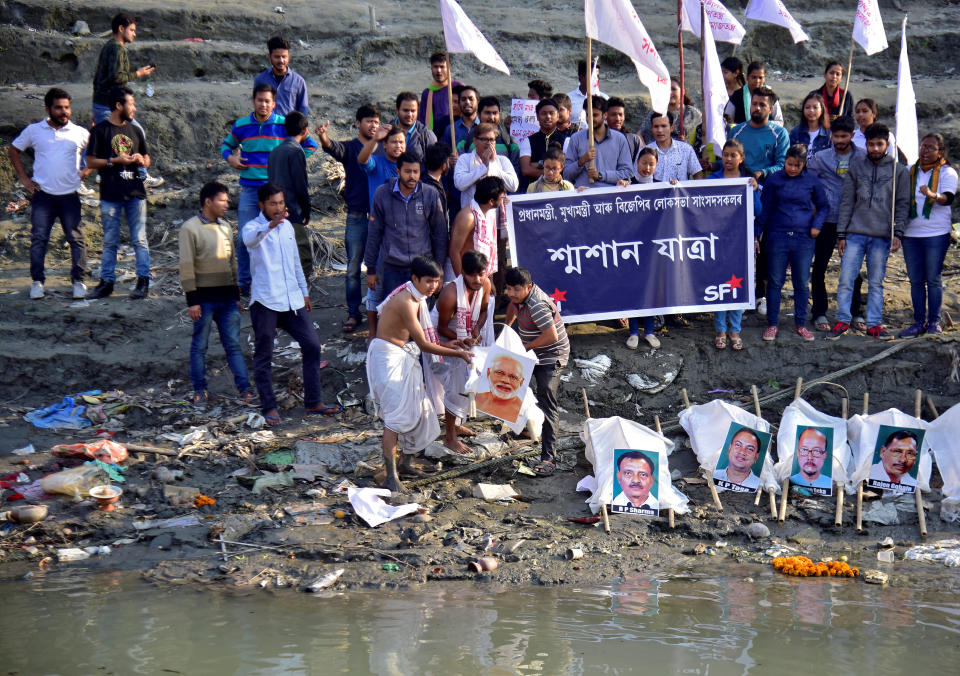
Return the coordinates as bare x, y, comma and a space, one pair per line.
838, 487
756, 409
921, 517
932, 407
843, 99
680, 46
656, 425
453, 132
893, 195
590, 98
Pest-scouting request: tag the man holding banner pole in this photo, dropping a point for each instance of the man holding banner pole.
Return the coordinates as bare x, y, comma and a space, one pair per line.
603, 149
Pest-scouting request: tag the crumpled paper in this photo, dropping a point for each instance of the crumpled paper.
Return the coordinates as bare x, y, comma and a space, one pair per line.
368, 504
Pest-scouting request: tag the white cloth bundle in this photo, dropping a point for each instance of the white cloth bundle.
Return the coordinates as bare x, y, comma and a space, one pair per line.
944, 440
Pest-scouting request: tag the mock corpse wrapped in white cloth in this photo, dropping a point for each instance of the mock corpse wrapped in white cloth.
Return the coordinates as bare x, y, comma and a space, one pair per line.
864, 433
529, 411
798, 416
396, 384
944, 437
707, 426
603, 436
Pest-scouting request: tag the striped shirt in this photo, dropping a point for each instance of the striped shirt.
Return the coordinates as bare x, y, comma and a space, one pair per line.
256, 139
534, 316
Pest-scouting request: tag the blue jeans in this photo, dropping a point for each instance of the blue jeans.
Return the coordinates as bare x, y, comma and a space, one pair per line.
875, 250
795, 248
135, 210
720, 320
45, 209
634, 324
924, 257
227, 316
355, 237
247, 210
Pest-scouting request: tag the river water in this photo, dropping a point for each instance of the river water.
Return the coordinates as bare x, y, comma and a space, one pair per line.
75, 623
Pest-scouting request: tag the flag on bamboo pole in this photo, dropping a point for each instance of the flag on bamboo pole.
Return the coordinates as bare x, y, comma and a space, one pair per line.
774, 11
714, 95
463, 37
614, 22
868, 27
908, 134
725, 26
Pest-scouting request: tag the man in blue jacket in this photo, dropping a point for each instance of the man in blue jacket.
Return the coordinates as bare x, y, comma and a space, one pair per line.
406, 221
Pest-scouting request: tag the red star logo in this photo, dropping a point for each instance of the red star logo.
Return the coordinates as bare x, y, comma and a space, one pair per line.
735, 282
558, 295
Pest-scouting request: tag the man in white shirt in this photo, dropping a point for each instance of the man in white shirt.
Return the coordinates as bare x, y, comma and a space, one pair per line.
897, 457
578, 96
481, 162
58, 145
279, 298
743, 452
676, 159
636, 476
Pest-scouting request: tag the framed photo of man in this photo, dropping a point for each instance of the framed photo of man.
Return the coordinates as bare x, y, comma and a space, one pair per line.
635, 489
503, 383
813, 459
895, 459
741, 459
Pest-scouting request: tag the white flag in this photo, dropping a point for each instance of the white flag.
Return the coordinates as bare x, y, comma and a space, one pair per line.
773, 11
615, 23
462, 37
725, 26
907, 131
714, 94
868, 28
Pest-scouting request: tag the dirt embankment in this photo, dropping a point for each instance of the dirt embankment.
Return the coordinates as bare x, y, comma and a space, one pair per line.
52, 349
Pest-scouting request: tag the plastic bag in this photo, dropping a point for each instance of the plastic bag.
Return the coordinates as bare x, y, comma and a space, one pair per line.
75, 482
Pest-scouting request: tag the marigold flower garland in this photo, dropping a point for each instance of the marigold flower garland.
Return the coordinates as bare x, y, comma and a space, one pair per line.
801, 566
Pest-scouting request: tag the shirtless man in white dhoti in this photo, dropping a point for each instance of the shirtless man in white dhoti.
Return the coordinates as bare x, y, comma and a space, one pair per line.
393, 367
462, 314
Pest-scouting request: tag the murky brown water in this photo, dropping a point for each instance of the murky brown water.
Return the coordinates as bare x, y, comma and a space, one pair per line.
72, 623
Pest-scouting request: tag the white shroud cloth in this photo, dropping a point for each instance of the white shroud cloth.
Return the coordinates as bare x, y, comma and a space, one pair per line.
396, 384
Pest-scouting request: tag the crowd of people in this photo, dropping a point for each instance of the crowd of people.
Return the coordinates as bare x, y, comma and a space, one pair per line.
425, 190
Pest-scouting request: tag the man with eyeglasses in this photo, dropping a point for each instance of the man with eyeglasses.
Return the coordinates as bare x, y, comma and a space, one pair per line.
743, 452
481, 162
505, 375
811, 455
898, 455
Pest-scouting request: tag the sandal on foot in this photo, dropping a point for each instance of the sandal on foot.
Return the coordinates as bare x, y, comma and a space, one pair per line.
350, 325
545, 468
720, 341
272, 419
325, 409
736, 342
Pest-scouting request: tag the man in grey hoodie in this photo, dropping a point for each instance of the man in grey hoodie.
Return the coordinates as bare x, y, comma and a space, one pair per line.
863, 227
406, 221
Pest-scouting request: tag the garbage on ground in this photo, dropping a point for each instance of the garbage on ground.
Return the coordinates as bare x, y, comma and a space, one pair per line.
175, 522
193, 436
484, 564
115, 472
72, 554
391, 567
883, 513
885, 556
25, 514
593, 370
180, 495
368, 504
875, 577
166, 475
106, 496
495, 492
75, 482
68, 414
26, 450
587, 484
946, 552
202, 500
327, 580
272, 481
801, 566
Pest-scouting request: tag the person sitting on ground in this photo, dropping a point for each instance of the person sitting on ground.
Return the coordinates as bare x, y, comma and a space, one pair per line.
542, 330
394, 372
732, 161
795, 207
830, 166
864, 228
463, 312
814, 128
552, 179
866, 113
834, 96
475, 227
279, 299
738, 108
208, 275
933, 183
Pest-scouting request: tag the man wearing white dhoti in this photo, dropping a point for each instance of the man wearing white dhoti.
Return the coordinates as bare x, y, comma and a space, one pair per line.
463, 313
393, 366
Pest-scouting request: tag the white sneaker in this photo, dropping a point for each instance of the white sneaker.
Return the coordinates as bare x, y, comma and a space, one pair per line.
36, 290
762, 307
79, 290
633, 342
84, 191
153, 182
652, 341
